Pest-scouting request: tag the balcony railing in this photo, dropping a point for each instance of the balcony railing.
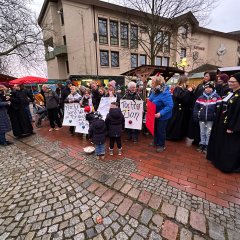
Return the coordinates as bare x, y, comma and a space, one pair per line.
49, 56
60, 51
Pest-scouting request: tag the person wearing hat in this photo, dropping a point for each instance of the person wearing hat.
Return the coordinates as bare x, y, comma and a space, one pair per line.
97, 134
224, 143
222, 87
111, 91
204, 112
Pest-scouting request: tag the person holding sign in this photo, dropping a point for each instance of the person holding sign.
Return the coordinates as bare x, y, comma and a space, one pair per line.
73, 97
115, 124
162, 98
86, 99
111, 91
132, 94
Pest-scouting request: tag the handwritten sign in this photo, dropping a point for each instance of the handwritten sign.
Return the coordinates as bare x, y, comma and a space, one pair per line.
104, 105
71, 111
133, 113
150, 118
82, 124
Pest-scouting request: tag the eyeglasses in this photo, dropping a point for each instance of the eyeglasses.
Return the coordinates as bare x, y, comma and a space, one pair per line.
232, 81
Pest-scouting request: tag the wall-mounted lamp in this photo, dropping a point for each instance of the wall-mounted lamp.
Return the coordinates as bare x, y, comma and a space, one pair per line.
60, 11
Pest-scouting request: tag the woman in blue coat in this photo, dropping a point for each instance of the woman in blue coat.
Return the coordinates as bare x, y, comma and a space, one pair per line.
162, 98
5, 125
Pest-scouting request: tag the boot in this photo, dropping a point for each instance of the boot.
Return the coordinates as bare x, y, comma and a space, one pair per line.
119, 151
110, 152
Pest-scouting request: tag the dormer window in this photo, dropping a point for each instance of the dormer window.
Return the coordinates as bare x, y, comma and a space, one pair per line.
184, 31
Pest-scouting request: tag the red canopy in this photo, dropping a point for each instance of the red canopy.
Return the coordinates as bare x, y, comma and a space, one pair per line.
28, 80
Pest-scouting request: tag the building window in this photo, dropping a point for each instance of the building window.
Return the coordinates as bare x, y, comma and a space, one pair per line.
67, 66
134, 60
124, 34
184, 31
134, 36
143, 60
158, 61
103, 31
113, 33
159, 40
183, 53
64, 40
166, 42
165, 61
104, 58
115, 59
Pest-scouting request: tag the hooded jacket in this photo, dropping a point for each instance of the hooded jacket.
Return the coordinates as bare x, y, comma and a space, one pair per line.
115, 122
97, 131
206, 106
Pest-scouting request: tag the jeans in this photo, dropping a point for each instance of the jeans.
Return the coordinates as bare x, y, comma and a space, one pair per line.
2, 138
160, 132
100, 149
53, 117
205, 131
132, 133
112, 141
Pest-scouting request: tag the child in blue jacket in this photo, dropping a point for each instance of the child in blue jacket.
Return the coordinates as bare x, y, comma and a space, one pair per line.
204, 112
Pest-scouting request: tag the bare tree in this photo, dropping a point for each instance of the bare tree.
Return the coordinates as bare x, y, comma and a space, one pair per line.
21, 45
162, 22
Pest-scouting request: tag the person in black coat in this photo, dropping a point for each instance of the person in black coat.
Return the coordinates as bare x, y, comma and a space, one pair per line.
178, 124
5, 125
65, 92
224, 143
97, 134
222, 87
95, 94
115, 124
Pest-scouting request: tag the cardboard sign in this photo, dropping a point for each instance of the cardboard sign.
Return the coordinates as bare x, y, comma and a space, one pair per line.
104, 105
150, 118
82, 124
71, 111
133, 113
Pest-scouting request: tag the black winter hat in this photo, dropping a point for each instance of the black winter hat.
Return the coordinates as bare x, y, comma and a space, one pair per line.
237, 76
210, 85
97, 115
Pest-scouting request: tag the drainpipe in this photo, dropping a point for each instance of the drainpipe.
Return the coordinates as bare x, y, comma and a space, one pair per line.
95, 39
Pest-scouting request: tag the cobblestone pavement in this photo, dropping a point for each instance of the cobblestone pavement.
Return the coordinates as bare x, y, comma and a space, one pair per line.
48, 191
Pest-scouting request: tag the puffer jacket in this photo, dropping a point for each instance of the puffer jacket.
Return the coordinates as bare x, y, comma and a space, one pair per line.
115, 122
206, 106
51, 99
5, 125
97, 131
132, 96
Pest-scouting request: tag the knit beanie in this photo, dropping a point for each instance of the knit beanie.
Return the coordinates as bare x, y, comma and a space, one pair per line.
112, 83
237, 76
209, 85
224, 77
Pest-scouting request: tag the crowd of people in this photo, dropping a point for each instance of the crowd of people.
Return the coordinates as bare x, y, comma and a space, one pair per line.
208, 115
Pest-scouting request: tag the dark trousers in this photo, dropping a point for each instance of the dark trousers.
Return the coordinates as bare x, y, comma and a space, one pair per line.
160, 132
27, 110
132, 133
117, 140
53, 117
2, 138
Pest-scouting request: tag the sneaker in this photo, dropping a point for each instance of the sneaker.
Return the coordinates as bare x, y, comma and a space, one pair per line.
200, 148
98, 157
160, 149
110, 152
51, 129
57, 128
119, 152
204, 149
103, 157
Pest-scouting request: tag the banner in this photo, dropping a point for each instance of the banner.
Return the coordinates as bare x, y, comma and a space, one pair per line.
133, 113
82, 124
150, 118
71, 111
104, 105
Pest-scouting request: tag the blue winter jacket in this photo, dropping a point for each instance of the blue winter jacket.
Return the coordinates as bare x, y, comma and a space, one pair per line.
164, 103
206, 106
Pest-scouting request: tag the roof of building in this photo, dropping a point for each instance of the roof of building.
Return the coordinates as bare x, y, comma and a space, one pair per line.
204, 68
6, 78
196, 75
228, 69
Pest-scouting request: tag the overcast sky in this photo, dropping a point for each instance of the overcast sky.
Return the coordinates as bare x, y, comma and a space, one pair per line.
225, 17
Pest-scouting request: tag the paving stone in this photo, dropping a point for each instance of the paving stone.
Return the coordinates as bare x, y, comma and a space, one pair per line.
182, 215
157, 220
108, 233
79, 236
85, 215
143, 231
115, 227
155, 201
128, 230
117, 199
30, 236
233, 235
114, 216
133, 222
124, 206
134, 193
69, 232
185, 234
168, 209
80, 227
99, 237
91, 233
196, 237
135, 210
154, 236
216, 231
136, 237
146, 216
198, 221
122, 236
144, 196
170, 230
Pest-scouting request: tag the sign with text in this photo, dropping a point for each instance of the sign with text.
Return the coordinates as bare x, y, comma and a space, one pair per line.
71, 111
82, 124
133, 113
150, 118
104, 105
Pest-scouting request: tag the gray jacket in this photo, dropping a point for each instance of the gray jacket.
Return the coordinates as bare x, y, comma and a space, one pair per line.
51, 99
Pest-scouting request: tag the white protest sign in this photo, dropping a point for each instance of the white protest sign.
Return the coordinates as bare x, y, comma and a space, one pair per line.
104, 105
133, 113
82, 124
71, 111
